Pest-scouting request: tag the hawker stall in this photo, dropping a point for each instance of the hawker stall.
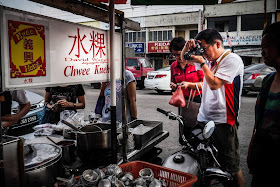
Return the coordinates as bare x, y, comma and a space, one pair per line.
38, 51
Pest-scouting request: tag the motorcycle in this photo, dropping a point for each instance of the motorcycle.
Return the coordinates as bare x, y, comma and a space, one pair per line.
198, 155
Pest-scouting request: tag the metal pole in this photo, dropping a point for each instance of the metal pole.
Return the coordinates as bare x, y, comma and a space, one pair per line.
124, 97
265, 14
113, 82
2, 171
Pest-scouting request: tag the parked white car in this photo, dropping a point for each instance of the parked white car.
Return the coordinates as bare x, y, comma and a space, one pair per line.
158, 80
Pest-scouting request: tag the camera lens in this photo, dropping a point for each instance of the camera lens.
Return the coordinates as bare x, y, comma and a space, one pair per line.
187, 56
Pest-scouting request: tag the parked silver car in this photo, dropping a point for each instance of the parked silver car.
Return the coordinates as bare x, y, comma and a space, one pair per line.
25, 124
253, 76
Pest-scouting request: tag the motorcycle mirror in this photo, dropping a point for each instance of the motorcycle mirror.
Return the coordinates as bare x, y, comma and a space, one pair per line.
208, 129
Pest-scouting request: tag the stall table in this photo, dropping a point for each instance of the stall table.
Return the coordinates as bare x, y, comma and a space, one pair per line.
132, 156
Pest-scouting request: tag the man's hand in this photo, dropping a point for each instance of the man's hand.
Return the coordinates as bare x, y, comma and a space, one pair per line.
189, 45
9, 120
197, 59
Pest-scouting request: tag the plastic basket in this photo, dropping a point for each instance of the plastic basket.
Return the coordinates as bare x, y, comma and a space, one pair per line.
170, 176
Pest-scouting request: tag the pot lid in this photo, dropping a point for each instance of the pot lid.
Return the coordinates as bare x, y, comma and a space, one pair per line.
40, 154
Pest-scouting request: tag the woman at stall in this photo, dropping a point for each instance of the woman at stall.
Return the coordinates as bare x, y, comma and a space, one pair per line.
64, 98
131, 108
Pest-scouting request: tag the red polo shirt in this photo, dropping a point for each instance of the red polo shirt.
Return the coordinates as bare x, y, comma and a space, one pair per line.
189, 74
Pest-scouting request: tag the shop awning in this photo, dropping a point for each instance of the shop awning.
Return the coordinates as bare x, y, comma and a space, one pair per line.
91, 9
253, 52
174, 2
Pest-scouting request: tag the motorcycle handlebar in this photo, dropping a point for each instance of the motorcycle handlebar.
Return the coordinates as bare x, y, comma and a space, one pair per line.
162, 111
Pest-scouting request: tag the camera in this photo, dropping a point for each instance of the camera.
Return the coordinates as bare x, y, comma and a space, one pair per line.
198, 50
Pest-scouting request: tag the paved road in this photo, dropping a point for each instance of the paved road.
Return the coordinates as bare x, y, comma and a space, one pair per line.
149, 100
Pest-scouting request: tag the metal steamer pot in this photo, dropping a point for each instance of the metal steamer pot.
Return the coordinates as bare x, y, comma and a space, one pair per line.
93, 137
42, 164
68, 151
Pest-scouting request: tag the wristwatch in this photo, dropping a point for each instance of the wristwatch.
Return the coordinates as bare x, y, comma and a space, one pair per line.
74, 107
202, 64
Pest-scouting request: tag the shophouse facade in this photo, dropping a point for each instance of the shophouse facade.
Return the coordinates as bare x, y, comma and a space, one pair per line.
154, 38
242, 21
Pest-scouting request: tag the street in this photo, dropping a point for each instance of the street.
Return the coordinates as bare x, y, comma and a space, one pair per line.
149, 100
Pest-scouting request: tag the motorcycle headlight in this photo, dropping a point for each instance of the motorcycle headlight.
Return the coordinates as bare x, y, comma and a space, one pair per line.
41, 104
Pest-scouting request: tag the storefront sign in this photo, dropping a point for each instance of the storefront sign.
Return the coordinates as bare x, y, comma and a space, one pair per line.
138, 47
39, 51
243, 40
158, 47
27, 49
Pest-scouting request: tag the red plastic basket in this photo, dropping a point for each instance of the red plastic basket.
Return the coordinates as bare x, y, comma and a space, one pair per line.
170, 176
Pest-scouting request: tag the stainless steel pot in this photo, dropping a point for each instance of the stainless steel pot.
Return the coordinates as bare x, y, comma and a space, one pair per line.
68, 151
92, 137
13, 161
42, 164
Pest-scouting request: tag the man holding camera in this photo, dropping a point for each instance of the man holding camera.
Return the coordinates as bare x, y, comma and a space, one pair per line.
222, 87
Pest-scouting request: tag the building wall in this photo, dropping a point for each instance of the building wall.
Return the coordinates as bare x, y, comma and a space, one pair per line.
239, 8
144, 11
172, 19
182, 23
246, 43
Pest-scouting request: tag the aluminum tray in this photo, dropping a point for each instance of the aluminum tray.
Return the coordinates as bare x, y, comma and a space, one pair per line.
142, 139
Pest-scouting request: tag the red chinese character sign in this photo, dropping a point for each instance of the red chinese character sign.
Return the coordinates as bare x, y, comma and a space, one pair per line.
158, 47
27, 49
39, 51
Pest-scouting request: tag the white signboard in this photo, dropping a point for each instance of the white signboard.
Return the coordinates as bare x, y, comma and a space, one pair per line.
40, 51
243, 40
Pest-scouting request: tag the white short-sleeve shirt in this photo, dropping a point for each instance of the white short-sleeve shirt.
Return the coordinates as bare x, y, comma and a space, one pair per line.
222, 105
19, 96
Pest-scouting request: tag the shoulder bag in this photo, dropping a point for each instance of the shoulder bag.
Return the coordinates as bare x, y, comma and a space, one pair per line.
190, 111
44, 115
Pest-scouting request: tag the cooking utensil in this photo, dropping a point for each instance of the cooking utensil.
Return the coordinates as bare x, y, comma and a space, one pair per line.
68, 182
100, 173
42, 166
71, 126
155, 183
113, 169
94, 137
147, 174
68, 150
13, 155
89, 177
52, 140
104, 183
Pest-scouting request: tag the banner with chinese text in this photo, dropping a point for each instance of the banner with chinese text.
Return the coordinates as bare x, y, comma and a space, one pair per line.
25, 59
39, 51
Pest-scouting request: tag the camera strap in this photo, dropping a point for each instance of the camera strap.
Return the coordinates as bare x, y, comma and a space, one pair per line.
218, 63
